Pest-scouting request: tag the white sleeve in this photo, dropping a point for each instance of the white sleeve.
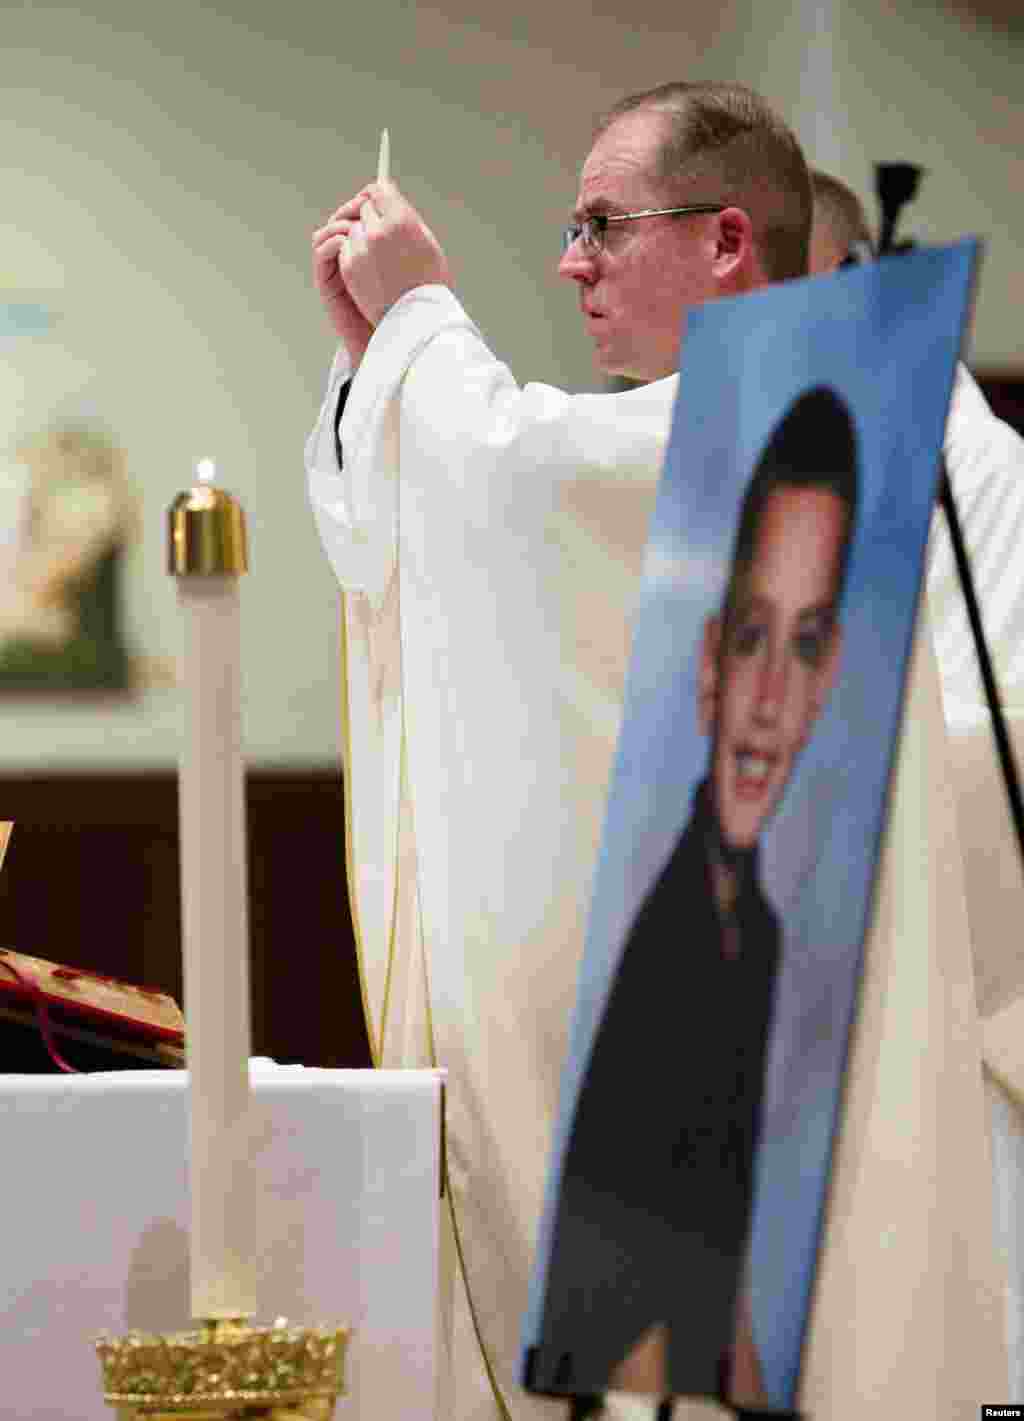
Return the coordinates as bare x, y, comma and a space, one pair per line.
429, 390
355, 502
328, 493
985, 459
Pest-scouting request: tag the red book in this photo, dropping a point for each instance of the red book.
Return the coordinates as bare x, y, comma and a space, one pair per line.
54, 1017
96, 1022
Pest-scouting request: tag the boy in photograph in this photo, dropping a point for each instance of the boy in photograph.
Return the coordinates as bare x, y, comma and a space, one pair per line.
643, 1291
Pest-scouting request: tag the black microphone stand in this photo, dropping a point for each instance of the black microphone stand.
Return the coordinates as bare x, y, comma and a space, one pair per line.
896, 184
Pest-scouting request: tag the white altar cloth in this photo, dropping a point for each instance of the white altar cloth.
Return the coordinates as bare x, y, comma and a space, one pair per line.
346, 1169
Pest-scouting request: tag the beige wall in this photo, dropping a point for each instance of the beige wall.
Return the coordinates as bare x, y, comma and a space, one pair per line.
162, 168
917, 82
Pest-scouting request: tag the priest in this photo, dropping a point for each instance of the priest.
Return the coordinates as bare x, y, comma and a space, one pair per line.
488, 537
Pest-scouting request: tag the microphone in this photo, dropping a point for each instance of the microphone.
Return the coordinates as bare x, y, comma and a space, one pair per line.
896, 184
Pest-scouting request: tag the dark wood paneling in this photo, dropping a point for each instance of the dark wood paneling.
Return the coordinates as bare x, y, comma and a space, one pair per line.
91, 880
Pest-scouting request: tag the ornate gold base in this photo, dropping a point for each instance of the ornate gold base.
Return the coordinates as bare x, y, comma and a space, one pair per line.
313, 1411
225, 1371
310, 1411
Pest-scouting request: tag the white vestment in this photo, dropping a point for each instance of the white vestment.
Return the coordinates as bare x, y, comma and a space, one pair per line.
489, 540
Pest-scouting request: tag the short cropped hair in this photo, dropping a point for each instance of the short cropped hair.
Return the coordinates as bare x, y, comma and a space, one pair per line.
724, 143
814, 446
839, 207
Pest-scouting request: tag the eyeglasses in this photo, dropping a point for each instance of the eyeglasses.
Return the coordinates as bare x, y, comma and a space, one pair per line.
591, 231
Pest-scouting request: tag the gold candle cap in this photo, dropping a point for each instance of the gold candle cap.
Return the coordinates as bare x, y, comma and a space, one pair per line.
206, 534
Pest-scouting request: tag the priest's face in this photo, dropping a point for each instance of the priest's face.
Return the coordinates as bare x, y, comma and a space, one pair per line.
635, 290
768, 666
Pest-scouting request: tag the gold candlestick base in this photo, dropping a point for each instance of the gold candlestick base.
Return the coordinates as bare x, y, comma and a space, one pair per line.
225, 1370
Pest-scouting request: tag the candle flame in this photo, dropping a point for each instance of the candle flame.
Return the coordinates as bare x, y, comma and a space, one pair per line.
205, 471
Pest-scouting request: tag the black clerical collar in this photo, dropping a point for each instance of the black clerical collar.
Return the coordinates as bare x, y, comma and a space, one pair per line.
741, 863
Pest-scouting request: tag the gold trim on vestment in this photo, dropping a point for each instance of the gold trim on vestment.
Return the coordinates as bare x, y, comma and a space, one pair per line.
385, 1004
376, 1047
377, 1044
499, 1396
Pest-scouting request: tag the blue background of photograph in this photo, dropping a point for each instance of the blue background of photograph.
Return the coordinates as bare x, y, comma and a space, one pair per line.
886, 336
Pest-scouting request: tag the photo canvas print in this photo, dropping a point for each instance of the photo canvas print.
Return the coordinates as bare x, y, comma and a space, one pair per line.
732, 894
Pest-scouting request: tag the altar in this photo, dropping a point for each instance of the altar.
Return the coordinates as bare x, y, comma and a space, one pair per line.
346, 1174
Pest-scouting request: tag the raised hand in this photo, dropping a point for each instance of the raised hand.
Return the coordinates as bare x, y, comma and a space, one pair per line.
390, 250
350, 325
371, 251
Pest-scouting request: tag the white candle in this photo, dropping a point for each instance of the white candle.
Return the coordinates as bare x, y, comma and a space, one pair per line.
214, 907
384, 158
